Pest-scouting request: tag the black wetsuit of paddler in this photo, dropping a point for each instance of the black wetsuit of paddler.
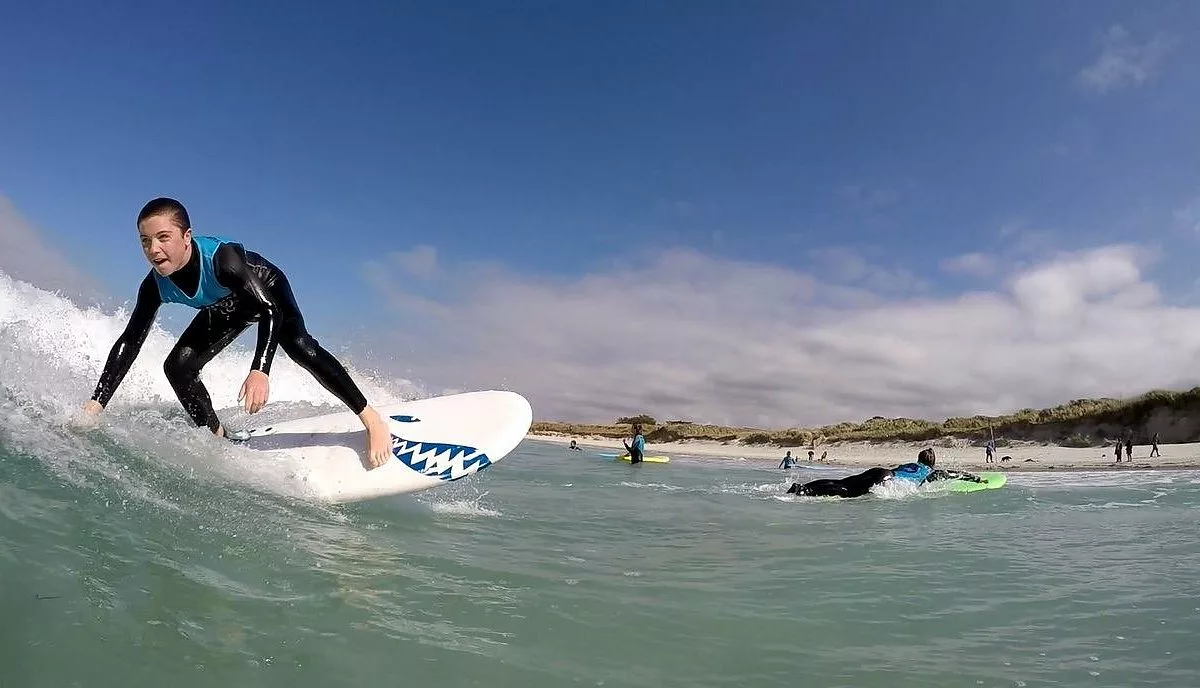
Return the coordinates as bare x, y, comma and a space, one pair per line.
920, 472
232, 288
855, 485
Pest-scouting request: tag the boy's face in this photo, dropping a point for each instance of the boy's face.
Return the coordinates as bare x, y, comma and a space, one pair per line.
166, 246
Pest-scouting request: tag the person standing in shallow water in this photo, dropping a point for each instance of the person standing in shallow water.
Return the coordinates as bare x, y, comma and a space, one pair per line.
638, 448
231, 288
788, 461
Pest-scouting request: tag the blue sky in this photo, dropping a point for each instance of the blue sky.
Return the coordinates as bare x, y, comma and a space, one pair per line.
901, 150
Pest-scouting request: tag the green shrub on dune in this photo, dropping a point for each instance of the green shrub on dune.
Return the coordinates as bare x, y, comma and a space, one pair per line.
1077, 423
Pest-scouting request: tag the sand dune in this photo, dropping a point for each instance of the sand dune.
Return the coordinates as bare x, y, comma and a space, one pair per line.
1025, 457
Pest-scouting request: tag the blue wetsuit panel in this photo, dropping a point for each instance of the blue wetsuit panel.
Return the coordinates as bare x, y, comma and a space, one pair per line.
913, 472
209, 290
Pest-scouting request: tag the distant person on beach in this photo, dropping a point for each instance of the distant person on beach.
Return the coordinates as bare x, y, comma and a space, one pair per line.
859, 484
788, 461
1118, 451
990, 449
638, 450
811, 453
1129, 447
1154, 446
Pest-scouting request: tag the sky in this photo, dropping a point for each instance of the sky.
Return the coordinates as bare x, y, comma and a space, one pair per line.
761, 213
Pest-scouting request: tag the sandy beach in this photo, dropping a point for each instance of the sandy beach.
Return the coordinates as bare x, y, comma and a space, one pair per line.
1024, 457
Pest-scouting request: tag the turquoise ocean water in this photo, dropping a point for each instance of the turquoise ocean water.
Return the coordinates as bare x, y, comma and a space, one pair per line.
146, 554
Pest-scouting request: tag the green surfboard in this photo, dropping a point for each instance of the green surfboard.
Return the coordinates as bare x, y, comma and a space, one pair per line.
992, 480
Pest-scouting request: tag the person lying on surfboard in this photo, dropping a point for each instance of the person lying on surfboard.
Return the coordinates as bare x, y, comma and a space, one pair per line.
231, 288
638, 450
859, 484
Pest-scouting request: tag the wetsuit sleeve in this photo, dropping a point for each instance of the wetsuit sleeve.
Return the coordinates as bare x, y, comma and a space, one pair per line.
127, 346
232, 271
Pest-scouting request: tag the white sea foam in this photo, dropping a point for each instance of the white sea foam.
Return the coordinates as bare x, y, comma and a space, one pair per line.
51, 354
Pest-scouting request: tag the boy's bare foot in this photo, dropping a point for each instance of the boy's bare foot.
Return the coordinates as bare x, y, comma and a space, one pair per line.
379, 438
235, 436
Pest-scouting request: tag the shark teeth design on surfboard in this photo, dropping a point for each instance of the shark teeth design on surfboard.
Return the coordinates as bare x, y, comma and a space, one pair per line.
434, 442
438, 459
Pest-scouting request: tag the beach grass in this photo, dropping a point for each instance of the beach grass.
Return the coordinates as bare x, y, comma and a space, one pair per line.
1175, 415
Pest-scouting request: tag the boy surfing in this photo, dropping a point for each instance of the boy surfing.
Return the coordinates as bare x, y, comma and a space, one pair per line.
231, 288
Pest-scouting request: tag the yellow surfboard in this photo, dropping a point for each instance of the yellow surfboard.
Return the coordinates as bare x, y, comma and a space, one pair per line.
647, 459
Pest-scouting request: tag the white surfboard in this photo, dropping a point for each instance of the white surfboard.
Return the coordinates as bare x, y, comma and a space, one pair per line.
434, 441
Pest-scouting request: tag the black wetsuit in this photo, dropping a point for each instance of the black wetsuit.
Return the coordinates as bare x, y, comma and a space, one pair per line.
260, 293
855, 485
637, 450
860, 484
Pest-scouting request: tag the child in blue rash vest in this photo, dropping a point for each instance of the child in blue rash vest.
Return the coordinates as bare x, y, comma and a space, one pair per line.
231, 288
923, 471
920, 472
638, 450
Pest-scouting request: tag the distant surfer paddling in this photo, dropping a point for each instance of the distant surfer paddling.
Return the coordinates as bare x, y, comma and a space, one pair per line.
232, 288
859, 484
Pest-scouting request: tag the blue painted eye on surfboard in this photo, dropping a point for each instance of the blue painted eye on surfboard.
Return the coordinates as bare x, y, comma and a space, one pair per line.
406, 419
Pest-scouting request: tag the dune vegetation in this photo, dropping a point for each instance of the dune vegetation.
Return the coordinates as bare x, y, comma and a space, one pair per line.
1174, 415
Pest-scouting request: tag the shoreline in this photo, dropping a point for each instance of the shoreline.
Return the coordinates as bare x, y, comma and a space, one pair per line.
1025, 457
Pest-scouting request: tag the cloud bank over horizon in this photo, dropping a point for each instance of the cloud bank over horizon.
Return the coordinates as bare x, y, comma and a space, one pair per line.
684, 334
692, 336
1029, 317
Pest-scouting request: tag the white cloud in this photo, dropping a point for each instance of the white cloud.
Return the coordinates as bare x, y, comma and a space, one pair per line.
1019, 246
419, 262
972, 264
1122, 63
686, 335
842, 265
26, 256
1188, 217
